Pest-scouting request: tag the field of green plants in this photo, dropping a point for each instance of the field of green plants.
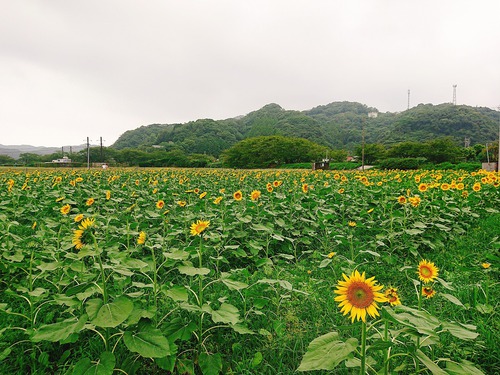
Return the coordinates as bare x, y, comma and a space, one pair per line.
211, 271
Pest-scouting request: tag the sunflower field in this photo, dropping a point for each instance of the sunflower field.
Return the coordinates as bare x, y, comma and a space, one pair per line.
212, 271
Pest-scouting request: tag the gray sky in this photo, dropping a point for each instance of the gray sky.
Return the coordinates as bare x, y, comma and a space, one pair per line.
76, 68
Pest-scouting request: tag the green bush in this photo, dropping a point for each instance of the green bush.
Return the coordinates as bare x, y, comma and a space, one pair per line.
401, 163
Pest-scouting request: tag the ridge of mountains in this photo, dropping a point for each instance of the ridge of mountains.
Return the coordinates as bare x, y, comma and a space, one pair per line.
338, 125
14, 151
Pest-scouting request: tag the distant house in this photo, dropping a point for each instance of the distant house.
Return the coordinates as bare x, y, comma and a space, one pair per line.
324, 165
64, 160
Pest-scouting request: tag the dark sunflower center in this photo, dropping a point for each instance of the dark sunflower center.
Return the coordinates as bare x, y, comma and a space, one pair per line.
360, 295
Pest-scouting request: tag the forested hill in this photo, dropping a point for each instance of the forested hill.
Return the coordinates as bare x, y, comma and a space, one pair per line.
338, 125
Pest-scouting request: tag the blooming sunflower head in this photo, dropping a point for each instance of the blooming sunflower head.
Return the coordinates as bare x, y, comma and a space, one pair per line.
305, 188
142, 238
238, 195
427, 271
90, 201
358, 296
217, 200
81, 235
65, 209
78, 218
392, 296
428, 292
401, 199
485, 265
198, 227
160, 204
352, 224
255, 195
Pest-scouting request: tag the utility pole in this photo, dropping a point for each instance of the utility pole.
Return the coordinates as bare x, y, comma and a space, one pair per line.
88, 153
454, 94
363, 147
408, 99
102, 160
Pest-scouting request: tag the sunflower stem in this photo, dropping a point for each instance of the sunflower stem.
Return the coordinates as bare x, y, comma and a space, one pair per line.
362, 370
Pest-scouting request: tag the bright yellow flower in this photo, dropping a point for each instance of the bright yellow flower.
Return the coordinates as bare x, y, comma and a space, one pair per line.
160, 204
445, 186
198, 227
392, 296
401, 199
254, 195
352, 224
476, 186
427, 271
238, 195
428, 292
486, 265
217, 200
422, 187
65, 209
182, 203
90, 202
78, 218
108, 195
202, 195
331, 255
359, 296
79, 240
142, 238
341, 191
305, 188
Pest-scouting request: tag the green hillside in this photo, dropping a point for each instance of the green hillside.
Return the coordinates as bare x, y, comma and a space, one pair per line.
338, 125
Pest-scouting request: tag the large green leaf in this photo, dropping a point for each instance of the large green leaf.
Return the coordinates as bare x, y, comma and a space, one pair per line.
227, 313
112, 314
192, 271
327, 352
104, 366
461, 331
149, 343
210, 364
59, 331
435, 369
462, 368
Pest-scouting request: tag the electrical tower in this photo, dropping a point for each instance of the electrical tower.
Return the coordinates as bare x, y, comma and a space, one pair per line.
454, 94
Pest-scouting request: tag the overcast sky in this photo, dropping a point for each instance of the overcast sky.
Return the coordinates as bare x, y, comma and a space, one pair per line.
72, 69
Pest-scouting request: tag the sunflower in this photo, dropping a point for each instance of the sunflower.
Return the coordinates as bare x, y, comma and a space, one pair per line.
485, 265
445, 186
198, 227
182, 203
202, 195
341, 191
142, 238
217, 200
277, 183
476, 186
422, 187
108, 195
428, 292
305, 188
79, 235
359, 296
78, 218
90, 202
401, 199
415, 201
392, 296
352, 224
160, 204
238, 195
269, 188
254, 195
65, 209
427, 271
331, 255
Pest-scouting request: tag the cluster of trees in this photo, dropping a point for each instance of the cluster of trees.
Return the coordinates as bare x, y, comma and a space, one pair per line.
436, 151
275, 150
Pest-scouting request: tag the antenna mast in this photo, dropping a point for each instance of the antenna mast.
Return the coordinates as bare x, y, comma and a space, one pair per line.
454, 94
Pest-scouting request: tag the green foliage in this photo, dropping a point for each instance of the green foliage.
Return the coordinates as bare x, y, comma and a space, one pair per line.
402, 163
267, 151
